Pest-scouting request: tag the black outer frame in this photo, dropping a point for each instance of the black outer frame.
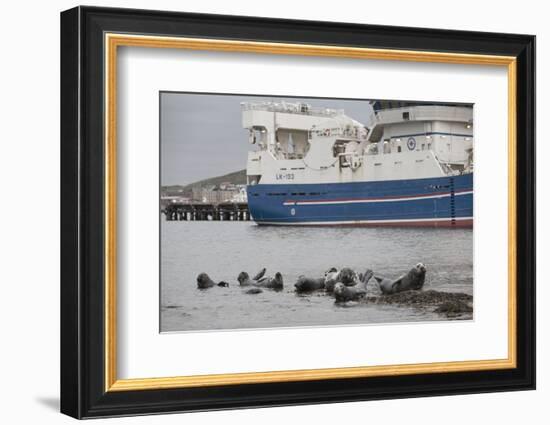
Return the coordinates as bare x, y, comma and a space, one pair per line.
82, 218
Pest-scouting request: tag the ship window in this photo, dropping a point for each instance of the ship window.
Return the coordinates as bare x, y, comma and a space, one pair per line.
423, 146
398, 148
406, 116
429, 146
372, 149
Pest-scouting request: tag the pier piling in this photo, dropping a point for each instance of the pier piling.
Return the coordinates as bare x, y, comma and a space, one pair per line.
227, 211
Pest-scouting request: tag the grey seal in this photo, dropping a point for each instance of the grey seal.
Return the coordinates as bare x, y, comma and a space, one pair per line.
343, 293
309, 284
244, 279
253, 291
346, 276
331, 279
204, 282
413, 280
263, 281
275, 282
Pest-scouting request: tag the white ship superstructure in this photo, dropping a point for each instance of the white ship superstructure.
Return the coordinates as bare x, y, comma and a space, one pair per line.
445, 131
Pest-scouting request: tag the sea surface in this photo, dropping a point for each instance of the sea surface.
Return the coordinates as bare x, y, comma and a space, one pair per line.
224, 249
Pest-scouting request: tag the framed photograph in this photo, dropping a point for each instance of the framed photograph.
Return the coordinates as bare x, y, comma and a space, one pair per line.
261, 212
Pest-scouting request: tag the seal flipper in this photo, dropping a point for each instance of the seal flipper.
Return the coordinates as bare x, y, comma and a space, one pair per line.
385, 285
223, 284
396, 284
260, 274
366, 276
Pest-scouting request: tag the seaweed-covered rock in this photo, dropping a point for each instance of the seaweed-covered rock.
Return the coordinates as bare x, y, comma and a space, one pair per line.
421, 298
450, 304
454, 308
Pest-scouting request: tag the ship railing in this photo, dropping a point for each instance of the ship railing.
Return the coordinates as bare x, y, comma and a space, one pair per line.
424, 112
356, 133
291, 108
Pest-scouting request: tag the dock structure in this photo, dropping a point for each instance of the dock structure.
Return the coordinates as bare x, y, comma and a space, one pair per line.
225, 211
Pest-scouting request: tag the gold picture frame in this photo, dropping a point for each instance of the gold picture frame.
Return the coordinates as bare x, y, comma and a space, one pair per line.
114, 41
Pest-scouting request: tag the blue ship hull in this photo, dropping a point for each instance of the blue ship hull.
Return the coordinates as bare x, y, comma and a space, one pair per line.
433, 202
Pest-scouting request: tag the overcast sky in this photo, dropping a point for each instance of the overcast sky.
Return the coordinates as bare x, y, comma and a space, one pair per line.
202, 135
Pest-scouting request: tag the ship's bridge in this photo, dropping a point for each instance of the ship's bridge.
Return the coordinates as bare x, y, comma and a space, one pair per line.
447, 130
424, 113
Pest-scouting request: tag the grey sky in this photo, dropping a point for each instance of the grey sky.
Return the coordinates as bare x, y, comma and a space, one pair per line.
202, 136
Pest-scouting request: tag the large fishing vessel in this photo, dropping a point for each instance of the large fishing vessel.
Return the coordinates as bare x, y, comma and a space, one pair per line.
410, 165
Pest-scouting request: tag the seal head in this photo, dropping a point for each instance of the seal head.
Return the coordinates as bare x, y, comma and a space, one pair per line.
204, 281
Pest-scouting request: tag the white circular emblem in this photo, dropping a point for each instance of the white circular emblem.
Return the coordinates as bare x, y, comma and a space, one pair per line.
292, 211
411, 143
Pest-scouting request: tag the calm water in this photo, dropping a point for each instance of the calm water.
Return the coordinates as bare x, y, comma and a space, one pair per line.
224, 249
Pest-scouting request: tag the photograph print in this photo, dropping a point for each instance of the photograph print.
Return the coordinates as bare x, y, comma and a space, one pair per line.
280, 212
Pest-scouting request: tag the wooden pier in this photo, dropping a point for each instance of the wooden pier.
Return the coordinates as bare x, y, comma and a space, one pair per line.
228, 211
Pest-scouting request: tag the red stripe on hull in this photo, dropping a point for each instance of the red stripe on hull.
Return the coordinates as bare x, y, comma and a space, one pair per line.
462, 224
384, 198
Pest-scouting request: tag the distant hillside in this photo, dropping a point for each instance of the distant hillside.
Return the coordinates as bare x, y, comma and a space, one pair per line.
237, 177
